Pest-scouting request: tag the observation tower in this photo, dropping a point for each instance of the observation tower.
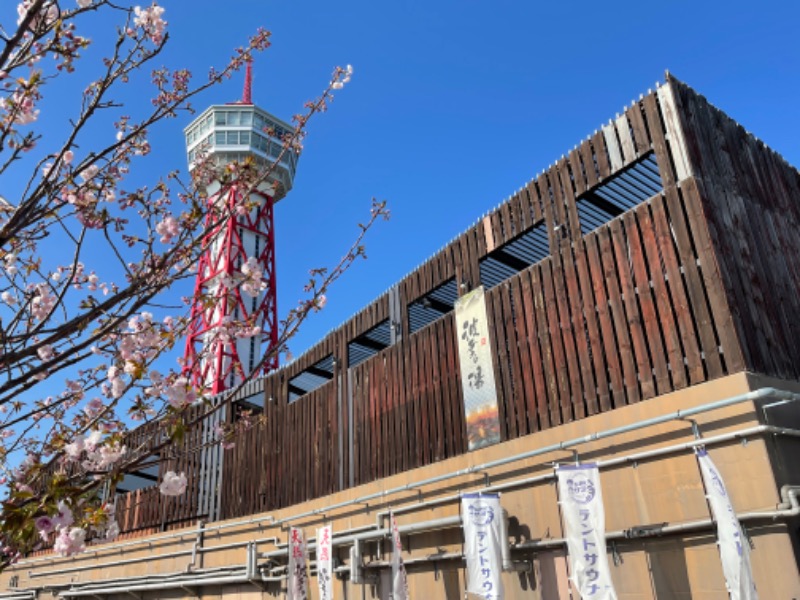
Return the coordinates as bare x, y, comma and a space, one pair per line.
225, 133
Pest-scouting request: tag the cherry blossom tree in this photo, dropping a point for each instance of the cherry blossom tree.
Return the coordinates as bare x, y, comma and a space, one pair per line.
99, 330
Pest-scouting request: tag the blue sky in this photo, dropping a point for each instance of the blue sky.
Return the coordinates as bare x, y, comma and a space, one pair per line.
454, 105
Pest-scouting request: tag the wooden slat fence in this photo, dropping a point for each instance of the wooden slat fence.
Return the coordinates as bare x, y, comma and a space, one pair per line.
751, 200
688, 286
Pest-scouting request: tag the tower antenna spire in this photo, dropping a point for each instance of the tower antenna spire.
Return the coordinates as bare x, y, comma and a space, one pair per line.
247, 93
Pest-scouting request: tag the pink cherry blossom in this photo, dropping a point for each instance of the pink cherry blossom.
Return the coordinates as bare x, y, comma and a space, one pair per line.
173, 484
63, 517
253, 283
151, 21
180, 393
45, 527
168, 228
70, 541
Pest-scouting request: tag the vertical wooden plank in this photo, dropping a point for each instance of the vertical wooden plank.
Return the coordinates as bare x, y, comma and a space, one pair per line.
488, 232
438, 390
658, 134
564, 410
629, 265
648, 308
640, 137
618, 315
447, 428
382, 458
675, 135
580, 332
559, 204
505, 395
606, 322
589, 166
523, 365
542, 325
601, 155
663, 301
454, 372
419, 422
357, 399
569, 200
428, 393
680, 301
526, 219
593, 329
578, 176
551, 219
614, 151
578, 409
507, 224
626, 140
509, 309
538, 402
535, 201
712, 278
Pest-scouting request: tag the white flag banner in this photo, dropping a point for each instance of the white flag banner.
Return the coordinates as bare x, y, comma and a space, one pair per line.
734, 550
325, 562
297, 587
585, 527
399, 578
477, 370
481, 514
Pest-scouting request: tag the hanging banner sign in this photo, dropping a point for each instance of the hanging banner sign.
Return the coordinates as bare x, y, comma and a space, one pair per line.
297, 587
481, 514
325, 562
585, 529
477, 370
734, 550
399, 577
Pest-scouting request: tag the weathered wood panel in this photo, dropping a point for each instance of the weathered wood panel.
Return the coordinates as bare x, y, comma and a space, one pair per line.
749, 202
697, 282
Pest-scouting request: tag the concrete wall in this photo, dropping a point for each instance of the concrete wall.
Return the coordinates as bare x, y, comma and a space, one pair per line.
665, 489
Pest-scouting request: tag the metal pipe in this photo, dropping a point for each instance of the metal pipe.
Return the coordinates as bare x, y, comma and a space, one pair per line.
790, 507
250, 575
156, 538
412, 528
127, 561
194, 551
602, 464
374, 533
378, 532
768, 392
123, 588
505, 548
680, 414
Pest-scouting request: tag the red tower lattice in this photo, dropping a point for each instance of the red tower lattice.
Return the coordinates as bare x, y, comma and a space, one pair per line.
224, 361
214, 359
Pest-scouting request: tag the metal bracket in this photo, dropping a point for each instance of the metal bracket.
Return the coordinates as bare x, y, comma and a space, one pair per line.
695, 428
615, 555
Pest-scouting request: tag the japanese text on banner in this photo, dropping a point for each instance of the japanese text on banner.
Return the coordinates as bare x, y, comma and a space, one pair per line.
734, 550
477, 370
585, 528
325, 562
297, 588
481, 515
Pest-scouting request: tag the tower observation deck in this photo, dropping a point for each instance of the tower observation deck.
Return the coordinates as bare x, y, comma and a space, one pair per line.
228, 133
